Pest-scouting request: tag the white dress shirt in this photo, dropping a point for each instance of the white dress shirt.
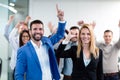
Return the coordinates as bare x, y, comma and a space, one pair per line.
42, 53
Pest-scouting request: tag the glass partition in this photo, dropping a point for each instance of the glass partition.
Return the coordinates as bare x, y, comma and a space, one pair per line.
19, 9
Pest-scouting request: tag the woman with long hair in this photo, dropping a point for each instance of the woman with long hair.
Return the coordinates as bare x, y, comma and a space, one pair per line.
86, 57
24, 37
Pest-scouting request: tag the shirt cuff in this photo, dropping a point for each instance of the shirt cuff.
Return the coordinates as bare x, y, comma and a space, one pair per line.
65, 42
62, 21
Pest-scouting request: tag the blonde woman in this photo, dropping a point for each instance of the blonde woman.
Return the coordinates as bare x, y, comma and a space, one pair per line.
86, 57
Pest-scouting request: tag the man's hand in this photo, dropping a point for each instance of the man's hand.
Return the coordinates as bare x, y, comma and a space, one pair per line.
60, 14
93, 24
27, 19
52, 28
80, 23
19, 26
69, 36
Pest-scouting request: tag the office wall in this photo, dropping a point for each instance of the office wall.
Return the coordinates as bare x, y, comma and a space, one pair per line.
106, 13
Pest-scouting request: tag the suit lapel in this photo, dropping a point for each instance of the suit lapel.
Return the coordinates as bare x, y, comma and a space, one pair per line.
92, 59
81, 56
52, 58
34, 54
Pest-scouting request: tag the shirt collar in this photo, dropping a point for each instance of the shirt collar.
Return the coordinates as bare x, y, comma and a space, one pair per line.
108, 44
34, 45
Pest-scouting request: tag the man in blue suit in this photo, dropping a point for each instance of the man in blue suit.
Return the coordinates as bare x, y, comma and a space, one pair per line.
37, 58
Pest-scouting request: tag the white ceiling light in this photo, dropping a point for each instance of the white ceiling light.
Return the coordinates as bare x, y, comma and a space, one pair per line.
12, 4
8, 7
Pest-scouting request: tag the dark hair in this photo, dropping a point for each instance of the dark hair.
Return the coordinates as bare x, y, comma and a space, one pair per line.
108, 31
35, 22
74, 27
66, 31
20, 37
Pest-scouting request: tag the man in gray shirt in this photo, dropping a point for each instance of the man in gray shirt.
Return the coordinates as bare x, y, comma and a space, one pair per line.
110, 55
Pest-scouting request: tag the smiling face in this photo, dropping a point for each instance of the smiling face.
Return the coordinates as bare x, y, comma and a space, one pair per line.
108, 37
76, 33
36, 32
85, 36
25, 37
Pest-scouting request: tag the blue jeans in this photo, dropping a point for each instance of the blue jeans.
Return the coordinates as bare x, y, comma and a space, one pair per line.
115, 77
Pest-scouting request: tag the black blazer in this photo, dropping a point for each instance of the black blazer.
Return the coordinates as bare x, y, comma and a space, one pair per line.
93, 71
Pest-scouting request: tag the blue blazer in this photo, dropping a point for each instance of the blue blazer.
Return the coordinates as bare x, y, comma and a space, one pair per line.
27, 60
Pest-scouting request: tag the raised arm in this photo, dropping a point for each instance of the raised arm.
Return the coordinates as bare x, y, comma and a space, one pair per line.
93, 24
61, 27
80, 23
118, 43
52, 28
27, 19
60, 14
69, 53
13, 37
6, 33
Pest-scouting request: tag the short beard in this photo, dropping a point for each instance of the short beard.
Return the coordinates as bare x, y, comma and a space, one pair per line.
36, 39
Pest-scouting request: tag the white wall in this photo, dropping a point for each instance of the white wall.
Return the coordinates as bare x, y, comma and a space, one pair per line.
106, 14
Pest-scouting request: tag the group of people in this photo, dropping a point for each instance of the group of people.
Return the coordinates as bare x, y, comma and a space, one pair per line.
35, 56
16, 38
